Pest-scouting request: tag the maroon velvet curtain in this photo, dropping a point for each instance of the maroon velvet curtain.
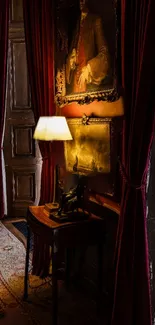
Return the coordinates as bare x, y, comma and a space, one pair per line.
39, 45
4, 19
132, 290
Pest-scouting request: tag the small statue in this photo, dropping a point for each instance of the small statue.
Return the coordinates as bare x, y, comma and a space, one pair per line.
72, 200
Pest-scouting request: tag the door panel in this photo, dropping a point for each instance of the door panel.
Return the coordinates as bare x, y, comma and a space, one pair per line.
21, 152
16, 11
23, 135
20, 86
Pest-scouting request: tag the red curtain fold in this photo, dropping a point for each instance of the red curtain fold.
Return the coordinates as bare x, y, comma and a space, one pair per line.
40, 55
132, 287
4, 19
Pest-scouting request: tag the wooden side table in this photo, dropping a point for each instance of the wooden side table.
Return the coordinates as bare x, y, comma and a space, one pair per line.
64, 235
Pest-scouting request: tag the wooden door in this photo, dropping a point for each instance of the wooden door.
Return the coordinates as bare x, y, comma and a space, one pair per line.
22, 156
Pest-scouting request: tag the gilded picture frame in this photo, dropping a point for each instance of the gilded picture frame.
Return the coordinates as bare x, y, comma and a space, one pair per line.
93, 151
85, 51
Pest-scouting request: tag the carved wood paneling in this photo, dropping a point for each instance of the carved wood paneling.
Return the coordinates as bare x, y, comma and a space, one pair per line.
19, 85
24, 186
16, 11
22, 156
23, 144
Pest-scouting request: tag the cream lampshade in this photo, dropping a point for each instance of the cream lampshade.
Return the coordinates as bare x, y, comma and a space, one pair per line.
52, 128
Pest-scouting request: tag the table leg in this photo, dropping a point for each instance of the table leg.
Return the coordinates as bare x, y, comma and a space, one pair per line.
100, 277
67, 267
27, 264
54, 286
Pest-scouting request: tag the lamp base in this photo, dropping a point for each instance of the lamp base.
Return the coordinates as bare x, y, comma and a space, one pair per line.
69, 216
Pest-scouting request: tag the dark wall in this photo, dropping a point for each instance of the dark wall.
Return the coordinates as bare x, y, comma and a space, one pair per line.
91, 261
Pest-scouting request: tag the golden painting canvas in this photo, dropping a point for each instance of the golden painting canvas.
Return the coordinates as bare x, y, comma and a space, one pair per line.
89, 151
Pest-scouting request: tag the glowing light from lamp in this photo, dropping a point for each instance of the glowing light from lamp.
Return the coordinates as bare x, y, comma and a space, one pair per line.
52, 128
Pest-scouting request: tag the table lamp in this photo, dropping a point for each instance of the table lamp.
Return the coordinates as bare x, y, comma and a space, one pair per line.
52, 128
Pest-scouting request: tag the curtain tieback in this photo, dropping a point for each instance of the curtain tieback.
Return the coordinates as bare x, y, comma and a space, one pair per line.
127, 179
2, 148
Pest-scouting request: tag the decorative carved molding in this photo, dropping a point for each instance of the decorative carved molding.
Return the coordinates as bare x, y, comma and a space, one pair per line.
17, 31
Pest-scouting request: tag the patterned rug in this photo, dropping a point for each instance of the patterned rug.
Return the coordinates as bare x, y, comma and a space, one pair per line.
75, 308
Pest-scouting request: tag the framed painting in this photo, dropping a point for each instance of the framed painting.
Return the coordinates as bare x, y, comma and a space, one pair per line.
93, 152
89, 151
86, 33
